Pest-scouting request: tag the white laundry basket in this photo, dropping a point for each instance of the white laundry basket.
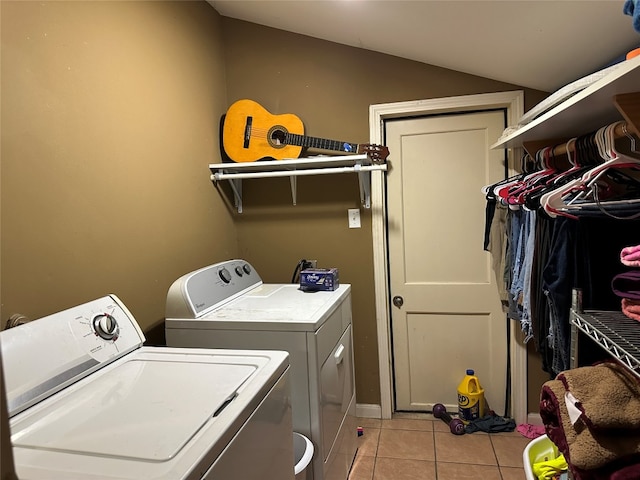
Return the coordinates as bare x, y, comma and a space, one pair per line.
539, 450
303, 453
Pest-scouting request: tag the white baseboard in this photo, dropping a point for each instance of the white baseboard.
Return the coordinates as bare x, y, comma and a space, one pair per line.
534, 419
366, 410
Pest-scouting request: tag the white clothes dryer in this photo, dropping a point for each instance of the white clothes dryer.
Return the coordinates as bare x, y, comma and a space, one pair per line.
87, 401
227, 305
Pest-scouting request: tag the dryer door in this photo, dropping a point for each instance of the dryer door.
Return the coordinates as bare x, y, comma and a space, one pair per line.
337, 387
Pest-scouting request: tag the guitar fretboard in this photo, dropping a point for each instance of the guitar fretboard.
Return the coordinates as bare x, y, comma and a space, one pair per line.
321, 143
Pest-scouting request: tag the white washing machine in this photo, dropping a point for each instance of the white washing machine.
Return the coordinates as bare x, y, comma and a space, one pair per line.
227, 305
87, 401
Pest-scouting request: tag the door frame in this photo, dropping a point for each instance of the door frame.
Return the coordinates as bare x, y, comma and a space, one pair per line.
513, 102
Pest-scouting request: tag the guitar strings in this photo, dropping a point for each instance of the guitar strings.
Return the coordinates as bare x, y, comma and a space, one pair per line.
259, 132
263, 133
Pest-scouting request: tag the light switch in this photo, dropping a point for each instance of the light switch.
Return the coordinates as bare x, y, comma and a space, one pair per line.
354, 218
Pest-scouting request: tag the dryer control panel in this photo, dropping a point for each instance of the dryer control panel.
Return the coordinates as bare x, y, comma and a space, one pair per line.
198, 293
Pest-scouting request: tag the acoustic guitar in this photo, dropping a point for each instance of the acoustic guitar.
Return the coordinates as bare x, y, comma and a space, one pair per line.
250, 133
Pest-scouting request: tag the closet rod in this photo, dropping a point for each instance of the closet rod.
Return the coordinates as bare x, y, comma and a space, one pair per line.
622, 129
294, 173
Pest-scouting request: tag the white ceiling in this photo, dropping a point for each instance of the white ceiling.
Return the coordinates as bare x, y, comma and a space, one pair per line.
541, 44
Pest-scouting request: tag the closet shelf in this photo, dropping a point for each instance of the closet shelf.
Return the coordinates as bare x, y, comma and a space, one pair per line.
616, 333
587, 110
362, 165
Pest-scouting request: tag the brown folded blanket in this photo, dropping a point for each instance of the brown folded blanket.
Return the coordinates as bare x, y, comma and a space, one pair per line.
585, 449
608, 395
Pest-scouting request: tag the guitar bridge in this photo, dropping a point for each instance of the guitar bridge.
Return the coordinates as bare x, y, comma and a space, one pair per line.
247, 132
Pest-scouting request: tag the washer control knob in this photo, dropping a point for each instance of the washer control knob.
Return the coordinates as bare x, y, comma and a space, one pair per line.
246, 268
239, 271
225, 275
105, 326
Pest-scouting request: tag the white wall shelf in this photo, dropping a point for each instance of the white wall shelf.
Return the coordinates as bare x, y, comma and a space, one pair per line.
584, 112
362, 165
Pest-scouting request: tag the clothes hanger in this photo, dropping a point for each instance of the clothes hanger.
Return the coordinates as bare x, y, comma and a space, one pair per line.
604, 143
560, 168
513, 194
631, 138
553, 200
540, 183
618, 182
574, 195
533, 198
612, 158
526, 163
576, 189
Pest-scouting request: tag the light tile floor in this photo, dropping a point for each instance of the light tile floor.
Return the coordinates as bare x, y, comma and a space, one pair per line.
419, 447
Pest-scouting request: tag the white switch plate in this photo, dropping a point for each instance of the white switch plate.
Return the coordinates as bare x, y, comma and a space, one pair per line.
354, 218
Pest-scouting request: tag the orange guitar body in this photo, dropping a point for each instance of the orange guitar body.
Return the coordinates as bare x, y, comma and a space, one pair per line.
251, 133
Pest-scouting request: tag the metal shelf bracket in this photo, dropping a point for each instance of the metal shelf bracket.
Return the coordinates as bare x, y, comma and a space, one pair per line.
293, 180
236, 186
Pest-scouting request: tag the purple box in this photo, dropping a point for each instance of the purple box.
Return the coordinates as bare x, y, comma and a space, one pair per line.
319, 279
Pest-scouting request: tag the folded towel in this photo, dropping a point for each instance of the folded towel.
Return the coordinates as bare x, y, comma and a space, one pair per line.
607, 395
627, 285
585, 449
631, 308
632, 7
630, 256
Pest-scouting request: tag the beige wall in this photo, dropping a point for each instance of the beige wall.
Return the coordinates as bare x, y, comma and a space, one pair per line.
330, 87
110, 116
107, 130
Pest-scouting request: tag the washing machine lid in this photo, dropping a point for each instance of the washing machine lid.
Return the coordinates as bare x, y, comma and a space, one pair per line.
159, 413
280, 307
143, 408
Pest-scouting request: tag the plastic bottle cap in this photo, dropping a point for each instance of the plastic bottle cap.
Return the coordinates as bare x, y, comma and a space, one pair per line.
633, 53
470, 372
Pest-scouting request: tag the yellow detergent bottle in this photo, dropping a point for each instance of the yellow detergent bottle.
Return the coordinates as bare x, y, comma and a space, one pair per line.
470, 398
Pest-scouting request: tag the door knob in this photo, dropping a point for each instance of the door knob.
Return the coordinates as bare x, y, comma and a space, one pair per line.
398, 301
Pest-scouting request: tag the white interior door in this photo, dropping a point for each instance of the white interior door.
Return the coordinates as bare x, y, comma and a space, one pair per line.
450, 318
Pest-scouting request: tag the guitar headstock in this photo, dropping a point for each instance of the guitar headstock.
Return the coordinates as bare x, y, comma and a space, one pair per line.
377, 153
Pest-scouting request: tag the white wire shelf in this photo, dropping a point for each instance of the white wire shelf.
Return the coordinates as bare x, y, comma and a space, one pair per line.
618, 334
362, 165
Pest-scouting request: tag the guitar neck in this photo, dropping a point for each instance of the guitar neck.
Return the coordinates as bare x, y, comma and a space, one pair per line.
321, 143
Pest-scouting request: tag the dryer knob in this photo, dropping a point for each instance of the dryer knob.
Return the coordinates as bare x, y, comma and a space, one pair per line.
239, 271
225, 275
246, 268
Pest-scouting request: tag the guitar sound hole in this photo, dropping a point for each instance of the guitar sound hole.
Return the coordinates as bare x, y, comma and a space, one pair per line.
277, 137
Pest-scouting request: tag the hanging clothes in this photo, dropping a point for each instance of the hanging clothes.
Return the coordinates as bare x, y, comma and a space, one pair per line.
574, 244
558, 280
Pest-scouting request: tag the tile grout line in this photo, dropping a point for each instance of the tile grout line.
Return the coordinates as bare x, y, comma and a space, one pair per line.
375, 457
496, 455
435, 450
